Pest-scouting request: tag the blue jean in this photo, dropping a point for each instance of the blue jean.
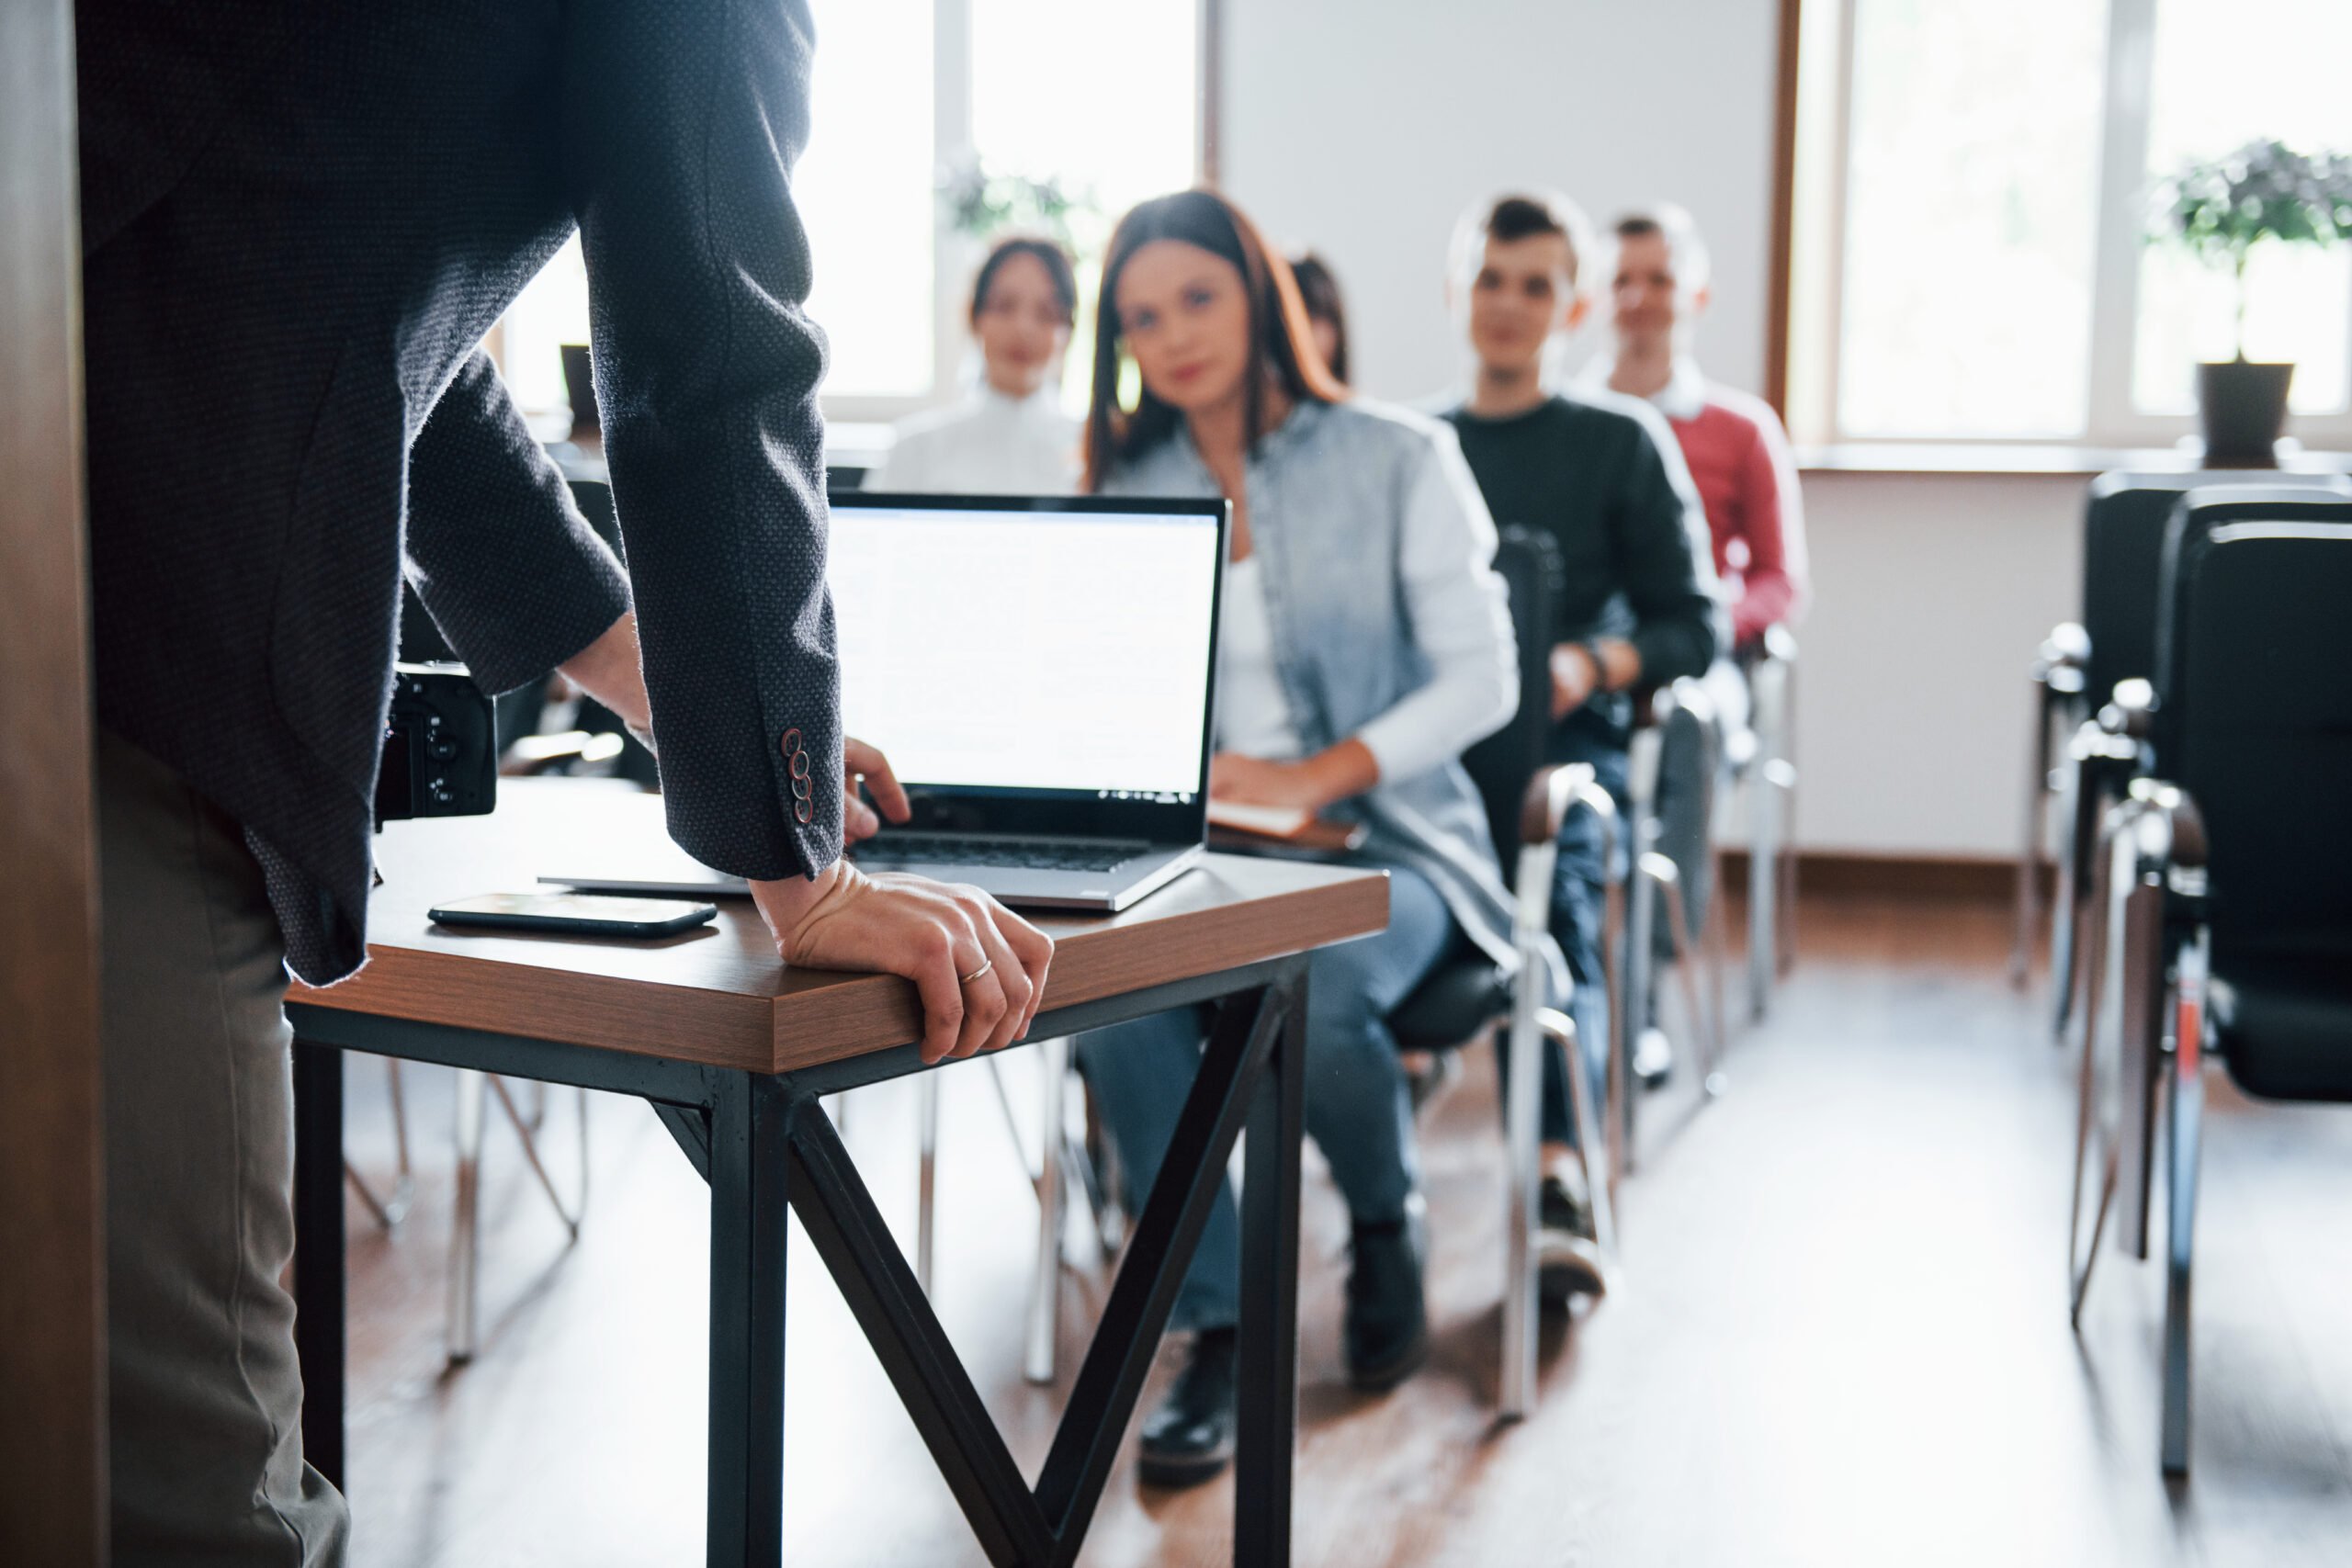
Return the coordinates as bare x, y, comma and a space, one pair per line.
1357, 1109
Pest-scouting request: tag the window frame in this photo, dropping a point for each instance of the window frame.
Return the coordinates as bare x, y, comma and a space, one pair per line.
1816, 125
954, 256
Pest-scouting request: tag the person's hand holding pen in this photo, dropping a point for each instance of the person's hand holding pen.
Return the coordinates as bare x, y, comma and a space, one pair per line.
978, 967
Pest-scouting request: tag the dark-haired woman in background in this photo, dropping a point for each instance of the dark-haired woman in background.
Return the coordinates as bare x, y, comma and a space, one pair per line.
1326, 313
1365, 641
1009, 436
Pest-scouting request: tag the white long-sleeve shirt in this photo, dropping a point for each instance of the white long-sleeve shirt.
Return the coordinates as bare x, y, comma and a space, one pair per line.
987, 444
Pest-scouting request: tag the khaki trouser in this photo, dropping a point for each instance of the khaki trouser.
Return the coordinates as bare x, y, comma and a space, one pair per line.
206, 1397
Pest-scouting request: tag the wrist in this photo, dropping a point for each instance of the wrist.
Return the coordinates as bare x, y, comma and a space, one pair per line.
1341, 771
787, 901
1616, 663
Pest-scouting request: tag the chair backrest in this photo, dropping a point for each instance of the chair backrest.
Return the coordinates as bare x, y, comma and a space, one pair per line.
1502, 763
2194, 517
2261, 692
2123, 541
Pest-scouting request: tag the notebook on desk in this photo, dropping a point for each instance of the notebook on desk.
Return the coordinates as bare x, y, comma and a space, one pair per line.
1041, 674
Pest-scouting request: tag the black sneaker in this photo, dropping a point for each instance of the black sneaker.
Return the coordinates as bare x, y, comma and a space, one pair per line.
1189, 1438
1568, 1258
1387, 1322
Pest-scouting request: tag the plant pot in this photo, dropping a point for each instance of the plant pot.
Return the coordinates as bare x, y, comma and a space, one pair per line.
2245, 408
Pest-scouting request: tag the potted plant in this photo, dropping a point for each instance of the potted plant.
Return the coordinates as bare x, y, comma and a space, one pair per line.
2219, 211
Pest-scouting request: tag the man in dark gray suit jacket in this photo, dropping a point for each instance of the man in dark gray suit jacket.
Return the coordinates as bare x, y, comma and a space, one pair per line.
299, 220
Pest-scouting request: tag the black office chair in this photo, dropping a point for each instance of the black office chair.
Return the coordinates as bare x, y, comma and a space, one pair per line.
2224, 877
1468, 994
2076, 671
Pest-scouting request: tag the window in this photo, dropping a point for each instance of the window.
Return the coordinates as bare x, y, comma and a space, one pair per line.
1975, 186
1101, 99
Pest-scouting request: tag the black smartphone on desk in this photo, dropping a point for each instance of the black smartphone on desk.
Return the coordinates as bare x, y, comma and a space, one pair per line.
579, 914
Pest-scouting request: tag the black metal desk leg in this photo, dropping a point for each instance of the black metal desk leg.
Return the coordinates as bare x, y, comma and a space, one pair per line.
748, 1128
318, 1252
1266, 1413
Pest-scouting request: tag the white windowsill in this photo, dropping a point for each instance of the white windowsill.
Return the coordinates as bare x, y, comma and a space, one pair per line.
2033, 458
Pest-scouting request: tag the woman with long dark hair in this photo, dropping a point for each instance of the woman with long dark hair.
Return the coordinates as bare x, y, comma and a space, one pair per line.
1327, 312
1007, 435
1365, 641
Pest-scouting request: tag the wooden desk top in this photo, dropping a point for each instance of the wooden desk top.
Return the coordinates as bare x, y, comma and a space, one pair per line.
719, 995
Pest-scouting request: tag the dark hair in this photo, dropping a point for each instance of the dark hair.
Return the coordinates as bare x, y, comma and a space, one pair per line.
1523, 215
1051, 256
1675, 226
1281, 345
1320, 293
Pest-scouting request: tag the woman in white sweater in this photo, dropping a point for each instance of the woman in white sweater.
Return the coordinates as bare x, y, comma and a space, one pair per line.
1009, 435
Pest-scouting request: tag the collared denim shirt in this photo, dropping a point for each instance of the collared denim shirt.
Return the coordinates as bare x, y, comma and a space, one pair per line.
1327, 496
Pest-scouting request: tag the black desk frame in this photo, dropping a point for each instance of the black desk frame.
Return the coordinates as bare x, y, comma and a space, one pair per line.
762, 1140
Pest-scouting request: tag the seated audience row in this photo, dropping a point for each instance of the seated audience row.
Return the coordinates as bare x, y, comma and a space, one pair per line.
1366, 643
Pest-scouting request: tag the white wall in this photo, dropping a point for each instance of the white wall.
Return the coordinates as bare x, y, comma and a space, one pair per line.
1365, 127
1931, 594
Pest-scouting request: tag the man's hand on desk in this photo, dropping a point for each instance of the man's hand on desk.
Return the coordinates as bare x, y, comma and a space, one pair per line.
1332, 775
980, 969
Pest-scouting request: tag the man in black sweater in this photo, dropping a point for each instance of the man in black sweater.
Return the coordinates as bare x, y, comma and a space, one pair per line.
298, 221
1637, 603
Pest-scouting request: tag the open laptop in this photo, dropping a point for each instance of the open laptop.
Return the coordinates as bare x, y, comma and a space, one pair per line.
1040, 672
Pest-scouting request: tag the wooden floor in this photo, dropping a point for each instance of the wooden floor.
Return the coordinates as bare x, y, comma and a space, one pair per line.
1841, 1338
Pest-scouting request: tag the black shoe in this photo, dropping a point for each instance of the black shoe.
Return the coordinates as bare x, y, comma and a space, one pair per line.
1387, 1323
1189, 1438
1567, 1258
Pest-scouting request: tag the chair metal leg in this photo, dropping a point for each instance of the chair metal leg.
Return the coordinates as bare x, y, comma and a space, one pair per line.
524, 1129
465, 1234
389, 1211
2187, 1106
1562, 1030
2102, 924
2032, 853
1523, 1103
1763, 854
1044, 1323
1713, 943
1638, 966
1663, 873
926, 1186
2065, 878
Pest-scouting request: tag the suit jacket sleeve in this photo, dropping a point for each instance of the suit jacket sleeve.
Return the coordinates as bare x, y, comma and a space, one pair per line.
509, 570
681, 125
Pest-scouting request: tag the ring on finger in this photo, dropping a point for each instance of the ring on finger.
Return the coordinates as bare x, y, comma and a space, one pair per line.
986, 965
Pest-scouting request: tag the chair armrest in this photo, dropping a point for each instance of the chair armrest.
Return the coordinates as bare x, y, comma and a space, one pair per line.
2170, 835
2131, 711
1550, 794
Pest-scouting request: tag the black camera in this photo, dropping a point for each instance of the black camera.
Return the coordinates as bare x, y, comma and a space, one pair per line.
440, 746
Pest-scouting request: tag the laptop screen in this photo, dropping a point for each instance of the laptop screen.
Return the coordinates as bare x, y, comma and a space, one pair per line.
1049, 650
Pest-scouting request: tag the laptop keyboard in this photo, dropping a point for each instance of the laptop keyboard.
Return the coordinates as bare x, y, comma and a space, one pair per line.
951, 849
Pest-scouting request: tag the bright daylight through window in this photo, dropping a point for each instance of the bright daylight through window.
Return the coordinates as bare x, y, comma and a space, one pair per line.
1981, 191
909, 96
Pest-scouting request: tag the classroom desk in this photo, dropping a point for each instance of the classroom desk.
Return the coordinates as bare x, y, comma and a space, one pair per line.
732, 1050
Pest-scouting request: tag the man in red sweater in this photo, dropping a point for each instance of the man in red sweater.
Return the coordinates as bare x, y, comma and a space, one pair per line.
1737, 452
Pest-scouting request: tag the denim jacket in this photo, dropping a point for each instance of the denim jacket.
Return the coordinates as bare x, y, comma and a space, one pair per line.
1328, 497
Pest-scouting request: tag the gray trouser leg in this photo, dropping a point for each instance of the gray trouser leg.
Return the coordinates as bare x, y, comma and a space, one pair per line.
204, 1395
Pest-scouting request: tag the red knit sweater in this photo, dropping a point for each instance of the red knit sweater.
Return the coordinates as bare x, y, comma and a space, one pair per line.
1739, 459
